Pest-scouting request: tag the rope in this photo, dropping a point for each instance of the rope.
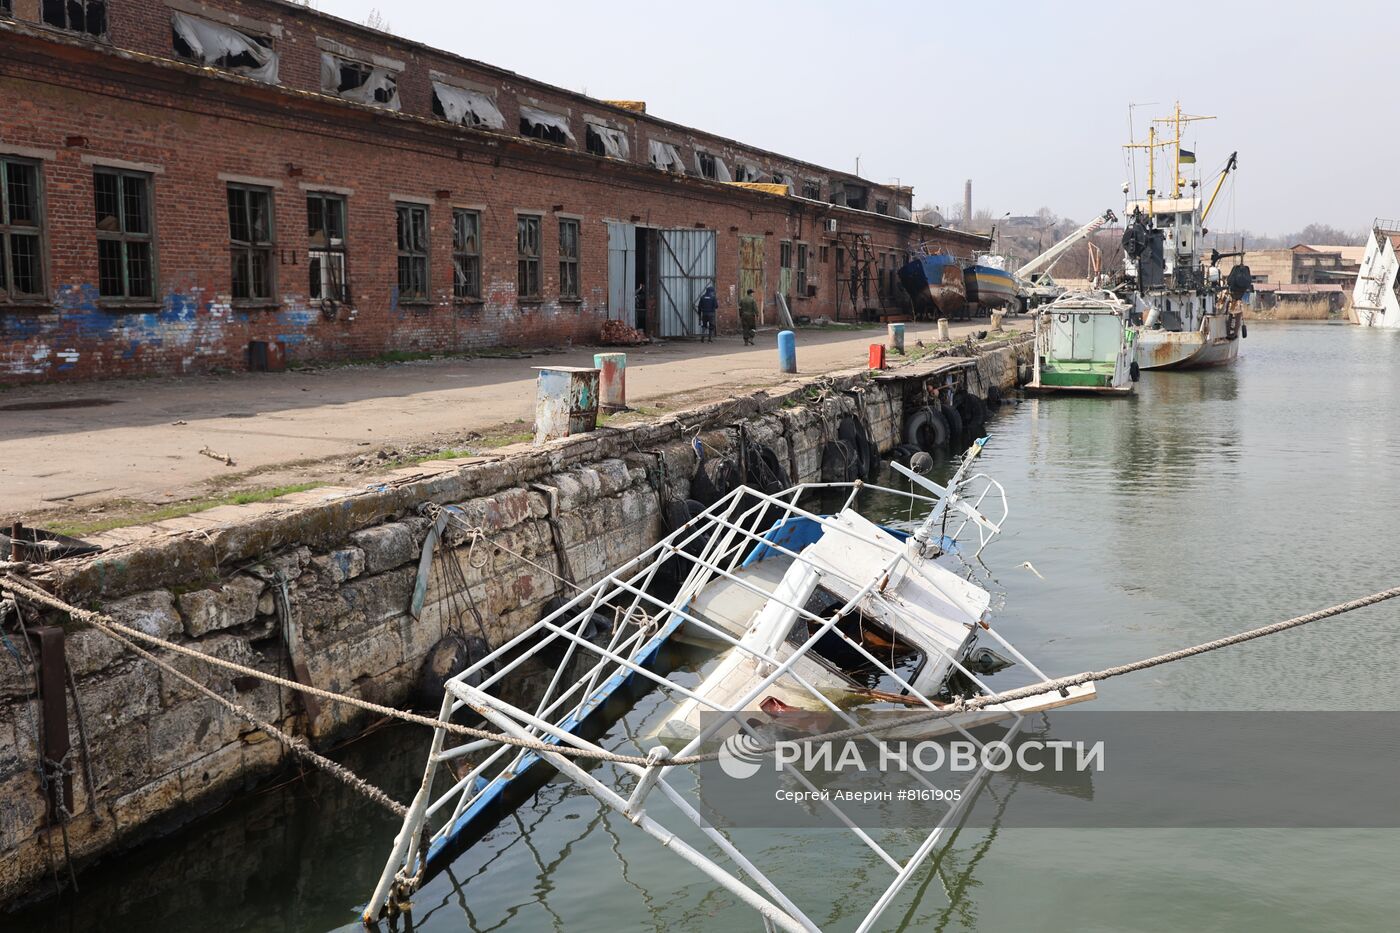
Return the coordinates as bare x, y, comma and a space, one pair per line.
295, 745
112, 627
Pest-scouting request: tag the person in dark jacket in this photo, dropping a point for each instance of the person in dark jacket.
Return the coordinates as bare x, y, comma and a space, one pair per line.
706, 307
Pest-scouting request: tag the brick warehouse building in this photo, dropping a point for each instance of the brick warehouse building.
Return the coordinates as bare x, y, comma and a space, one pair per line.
185, 178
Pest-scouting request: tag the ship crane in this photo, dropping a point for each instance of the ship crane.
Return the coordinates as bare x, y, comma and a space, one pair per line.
1046, 260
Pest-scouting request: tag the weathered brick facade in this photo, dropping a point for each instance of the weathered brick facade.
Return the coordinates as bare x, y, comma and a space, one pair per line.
76, 104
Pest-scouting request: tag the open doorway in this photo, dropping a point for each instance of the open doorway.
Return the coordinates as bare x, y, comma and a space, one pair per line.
641, 285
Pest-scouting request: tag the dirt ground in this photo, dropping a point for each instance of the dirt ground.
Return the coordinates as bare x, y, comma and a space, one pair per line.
85, 457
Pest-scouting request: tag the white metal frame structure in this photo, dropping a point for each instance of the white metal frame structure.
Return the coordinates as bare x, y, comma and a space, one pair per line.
710, 547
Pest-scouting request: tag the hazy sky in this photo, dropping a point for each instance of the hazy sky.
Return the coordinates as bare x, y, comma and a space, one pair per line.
1028, 100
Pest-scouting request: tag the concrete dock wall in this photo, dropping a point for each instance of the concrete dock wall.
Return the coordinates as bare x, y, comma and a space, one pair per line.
161, 754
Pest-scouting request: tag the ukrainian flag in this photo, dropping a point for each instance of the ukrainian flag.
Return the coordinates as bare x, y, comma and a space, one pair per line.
1185, 157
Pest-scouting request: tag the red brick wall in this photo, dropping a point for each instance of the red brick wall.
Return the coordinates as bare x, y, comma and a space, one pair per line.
87, 107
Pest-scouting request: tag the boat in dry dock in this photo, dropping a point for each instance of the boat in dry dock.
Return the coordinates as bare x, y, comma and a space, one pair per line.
824, 614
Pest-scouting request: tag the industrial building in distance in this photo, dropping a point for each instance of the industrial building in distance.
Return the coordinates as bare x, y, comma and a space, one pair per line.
193, 186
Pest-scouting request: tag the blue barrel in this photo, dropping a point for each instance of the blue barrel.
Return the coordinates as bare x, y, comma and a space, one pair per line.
787, 351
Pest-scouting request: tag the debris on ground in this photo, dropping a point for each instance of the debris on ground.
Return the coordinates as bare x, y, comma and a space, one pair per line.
215, 455
618, 334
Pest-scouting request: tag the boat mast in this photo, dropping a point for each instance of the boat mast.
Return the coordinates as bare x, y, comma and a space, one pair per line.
1151, 146
1176, 119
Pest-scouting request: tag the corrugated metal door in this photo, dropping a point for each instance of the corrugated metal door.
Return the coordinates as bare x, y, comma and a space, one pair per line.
622, 271
751, 270
685, 263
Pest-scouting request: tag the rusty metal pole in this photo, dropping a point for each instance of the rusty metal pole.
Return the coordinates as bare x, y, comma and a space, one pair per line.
53, 702
17, 542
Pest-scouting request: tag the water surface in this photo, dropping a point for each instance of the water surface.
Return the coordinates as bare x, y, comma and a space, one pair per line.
1211, 502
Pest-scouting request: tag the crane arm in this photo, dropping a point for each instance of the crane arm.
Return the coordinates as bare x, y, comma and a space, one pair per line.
1047, 258
1230, 165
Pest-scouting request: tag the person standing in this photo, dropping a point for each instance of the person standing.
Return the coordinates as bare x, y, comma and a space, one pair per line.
748, 316
706, 307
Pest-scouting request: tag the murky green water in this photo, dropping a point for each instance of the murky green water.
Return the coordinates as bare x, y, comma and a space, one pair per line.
1211, 502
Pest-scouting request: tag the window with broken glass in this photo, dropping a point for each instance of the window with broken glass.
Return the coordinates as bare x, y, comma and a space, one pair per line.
707, 164
125, 245
413, 253
785, 254
882, 207
85, 16
466, 255
325, 239
527, 250
21, 231
593, 140
812, 189
356, 80
568, 260
250, 243
220, 46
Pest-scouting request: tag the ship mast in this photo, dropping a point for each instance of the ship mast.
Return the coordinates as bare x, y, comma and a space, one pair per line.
1151, 146
1175, 120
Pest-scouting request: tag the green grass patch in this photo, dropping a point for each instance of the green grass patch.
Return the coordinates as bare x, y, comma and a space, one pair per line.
179, 510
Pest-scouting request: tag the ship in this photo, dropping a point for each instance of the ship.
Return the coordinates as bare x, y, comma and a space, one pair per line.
1083, 344
935, 285
1375, 299
989, 286
1191, 316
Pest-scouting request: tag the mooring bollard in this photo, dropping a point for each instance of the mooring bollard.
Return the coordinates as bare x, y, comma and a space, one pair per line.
896, 340
877, 356
943, 330
787, 351
996, 321
612, 380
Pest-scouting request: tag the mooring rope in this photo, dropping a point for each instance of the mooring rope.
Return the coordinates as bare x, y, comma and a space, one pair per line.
116, 630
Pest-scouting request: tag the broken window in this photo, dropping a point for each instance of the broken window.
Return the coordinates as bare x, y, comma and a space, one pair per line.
5, 6
801, 270
354, 80
21, 231
568, 259
823, 253
86, 16
666, 157
785, 254
125, 245
712, 166
781, 178
747, 171
855, 197
250, 242
812, 190
606, 141
465, 106
903, 213
220, 46
882, 207
325, 237
413, 253
466, 255
527, 251
541, 124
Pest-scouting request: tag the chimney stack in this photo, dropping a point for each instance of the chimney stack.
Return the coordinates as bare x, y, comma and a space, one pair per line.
967, 204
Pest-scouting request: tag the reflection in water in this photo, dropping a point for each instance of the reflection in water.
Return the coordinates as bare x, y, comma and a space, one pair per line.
1212, 501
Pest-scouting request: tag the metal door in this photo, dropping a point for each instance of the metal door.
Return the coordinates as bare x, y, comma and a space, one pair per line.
622, 271
751, 270
685, 264
1084, 337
